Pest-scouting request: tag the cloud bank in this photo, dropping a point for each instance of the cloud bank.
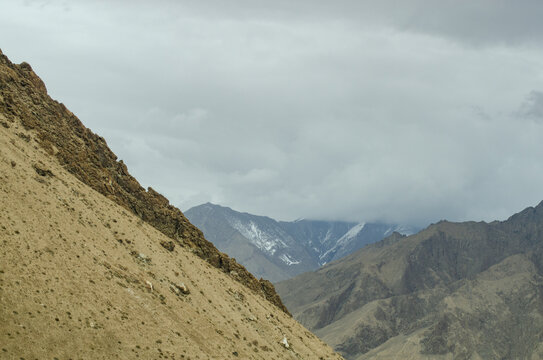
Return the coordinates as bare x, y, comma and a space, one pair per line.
353, 110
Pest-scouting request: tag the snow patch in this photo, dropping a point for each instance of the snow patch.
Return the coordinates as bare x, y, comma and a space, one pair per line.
327, 237
352, 232
355, 230
288, 260
261, 239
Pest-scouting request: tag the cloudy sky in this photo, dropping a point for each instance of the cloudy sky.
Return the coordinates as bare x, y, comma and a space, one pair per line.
406, 111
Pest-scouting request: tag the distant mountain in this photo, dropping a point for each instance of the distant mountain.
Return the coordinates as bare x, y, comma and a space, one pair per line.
452, 291
332, 240
278, 250
259, 243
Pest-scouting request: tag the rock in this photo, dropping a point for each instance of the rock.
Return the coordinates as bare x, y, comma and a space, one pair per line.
144, 258
42, 172
168, 245
284, 342
183, 288
34, 79
180, 289
24, 136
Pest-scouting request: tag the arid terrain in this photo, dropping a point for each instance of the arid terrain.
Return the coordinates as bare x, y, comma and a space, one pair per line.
453, 291
90, 267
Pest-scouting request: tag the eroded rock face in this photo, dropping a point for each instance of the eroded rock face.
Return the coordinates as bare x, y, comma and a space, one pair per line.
23, 95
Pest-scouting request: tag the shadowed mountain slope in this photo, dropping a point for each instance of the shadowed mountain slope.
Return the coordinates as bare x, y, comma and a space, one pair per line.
83, 275
453, 291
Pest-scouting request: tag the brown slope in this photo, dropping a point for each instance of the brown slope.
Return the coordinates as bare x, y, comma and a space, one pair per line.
76, 271
24, 96
399, 291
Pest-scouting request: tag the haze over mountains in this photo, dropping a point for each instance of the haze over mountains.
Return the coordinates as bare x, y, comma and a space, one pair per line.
453, 291
278, 250
93, 266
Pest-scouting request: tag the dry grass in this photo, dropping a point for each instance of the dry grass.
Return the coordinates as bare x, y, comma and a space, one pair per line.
75, 275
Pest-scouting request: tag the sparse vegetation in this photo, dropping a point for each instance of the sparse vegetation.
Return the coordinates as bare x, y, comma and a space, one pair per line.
75, 269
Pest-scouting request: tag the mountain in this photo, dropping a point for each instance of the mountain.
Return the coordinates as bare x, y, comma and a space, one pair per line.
332, 240
93, 266
278, 250
257, 242
453, 291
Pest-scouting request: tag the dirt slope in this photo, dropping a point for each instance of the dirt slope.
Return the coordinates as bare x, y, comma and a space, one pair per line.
23, 97
83, 277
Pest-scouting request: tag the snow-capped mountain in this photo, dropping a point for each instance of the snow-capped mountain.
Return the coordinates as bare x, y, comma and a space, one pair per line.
330, 240
279, 250
260, 243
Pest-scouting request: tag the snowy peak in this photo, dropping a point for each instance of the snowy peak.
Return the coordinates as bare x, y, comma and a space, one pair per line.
278, 250
259, 242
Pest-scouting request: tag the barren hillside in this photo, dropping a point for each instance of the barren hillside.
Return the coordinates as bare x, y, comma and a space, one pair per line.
92, 266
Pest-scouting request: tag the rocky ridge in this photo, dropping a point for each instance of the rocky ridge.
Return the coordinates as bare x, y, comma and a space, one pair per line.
23, 96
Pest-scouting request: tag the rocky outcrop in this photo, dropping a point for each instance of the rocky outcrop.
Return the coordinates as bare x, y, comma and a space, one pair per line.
23, 96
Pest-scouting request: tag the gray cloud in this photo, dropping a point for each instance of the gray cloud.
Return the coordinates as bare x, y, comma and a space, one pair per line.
352, 110
476, 22
479, 22
532, 108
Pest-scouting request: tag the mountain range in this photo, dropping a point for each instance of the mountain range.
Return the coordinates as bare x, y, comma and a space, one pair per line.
470, 290
278, 250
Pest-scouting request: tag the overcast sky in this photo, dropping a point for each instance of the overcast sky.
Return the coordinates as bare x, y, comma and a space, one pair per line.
403, 111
